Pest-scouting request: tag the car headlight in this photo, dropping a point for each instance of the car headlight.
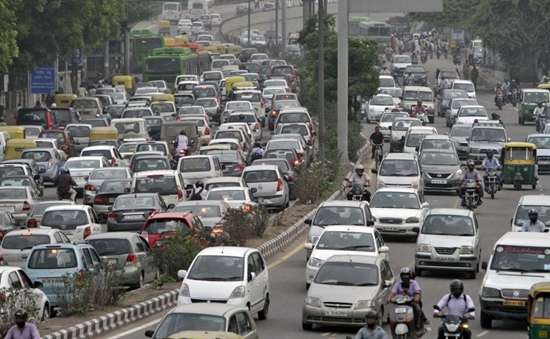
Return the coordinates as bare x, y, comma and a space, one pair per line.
312, 301
424, 248
411, 220
314, 262
466, 250
489, 292
184, 291
362, 304
426, 175
238, 292
380, 182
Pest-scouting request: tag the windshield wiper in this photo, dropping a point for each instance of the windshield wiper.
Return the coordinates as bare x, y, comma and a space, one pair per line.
367, 284
354, 247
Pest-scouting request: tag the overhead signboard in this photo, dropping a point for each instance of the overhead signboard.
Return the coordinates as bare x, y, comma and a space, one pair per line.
393, 6
43, 80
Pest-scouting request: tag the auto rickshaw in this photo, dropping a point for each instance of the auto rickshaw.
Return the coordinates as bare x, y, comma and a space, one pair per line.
103, 133
14, 147
519, 164
64, 100
230, 81
125, 80
163, 97
244, 85
544, 85
538, 308
15, 132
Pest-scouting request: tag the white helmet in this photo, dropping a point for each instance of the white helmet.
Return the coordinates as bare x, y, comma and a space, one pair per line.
359, 167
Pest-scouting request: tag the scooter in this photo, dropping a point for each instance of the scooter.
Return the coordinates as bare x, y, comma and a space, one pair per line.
491, 182
471, 198
402, 318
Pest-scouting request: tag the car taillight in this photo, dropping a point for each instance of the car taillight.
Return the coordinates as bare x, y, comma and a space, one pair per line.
238, 167
113, 162
145, 235
131, 258
207, 131
273, 113
26, 206
180, 194
112, 215
3, 297
89, 187
247, 208
279, 185
32, 223
100, 200
87, 232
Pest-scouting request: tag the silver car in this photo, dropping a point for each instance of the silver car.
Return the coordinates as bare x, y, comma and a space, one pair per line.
399, 129
98, 176
268, 185
345, 288
210, 212
448, 241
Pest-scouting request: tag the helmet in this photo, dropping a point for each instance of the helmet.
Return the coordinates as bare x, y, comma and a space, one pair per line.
371, 314
359, 167
21, 315
533, 212
405, 274
456, 288
490, 154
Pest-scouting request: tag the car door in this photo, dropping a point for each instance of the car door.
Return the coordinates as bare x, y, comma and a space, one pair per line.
386, 276
96, 226
38, 296
261, 277
146, 258
245, 325
97, 263
252, 285
379, 244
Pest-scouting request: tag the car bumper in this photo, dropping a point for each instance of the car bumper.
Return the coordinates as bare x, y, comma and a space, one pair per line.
374, 116
429, 261
50, 175
543, 166
394, 229
125, 226
205, 140
333, 317
433, 185
496, 309
130, 275
273, 201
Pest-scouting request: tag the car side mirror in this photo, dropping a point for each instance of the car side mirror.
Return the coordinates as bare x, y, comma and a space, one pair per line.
41, 170
388, 283
267, 110
389, 128
182, 274
253, 190
149, 333
308, 246
509, 139
467, 139
370, 222
308, 222
251, 276
374, 170
171, 206
416, 229
384, 249
484, 265
425, 205
37, 284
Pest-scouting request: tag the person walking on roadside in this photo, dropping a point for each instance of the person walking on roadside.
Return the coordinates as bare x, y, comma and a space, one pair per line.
474, 75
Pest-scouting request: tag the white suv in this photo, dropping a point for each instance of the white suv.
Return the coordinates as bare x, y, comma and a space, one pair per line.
400, 169
232, 275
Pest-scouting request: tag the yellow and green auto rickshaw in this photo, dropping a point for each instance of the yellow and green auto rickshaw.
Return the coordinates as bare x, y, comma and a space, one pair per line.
538, 308
64, 99
127, 81
519, 164
14, 147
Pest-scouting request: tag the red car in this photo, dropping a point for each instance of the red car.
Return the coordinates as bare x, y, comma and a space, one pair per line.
64, 140
162, 225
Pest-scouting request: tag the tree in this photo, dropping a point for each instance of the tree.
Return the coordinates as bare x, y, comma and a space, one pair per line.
8, 34
455, 14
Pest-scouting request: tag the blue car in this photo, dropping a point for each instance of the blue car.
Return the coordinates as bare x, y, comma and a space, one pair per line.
55, 265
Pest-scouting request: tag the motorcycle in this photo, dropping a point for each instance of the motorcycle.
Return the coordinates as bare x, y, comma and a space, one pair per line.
70, 195
454, 325
471, 197
402, 318
357, 192
424, 57
491, 182
514, 97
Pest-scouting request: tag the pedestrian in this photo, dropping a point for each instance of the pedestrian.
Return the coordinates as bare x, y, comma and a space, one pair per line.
474, 75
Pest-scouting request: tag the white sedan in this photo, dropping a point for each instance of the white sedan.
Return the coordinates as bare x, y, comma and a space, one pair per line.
235, 197
15, 280
377, 105
398, 210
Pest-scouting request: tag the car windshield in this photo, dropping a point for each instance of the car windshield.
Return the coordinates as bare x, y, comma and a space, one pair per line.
414, 139
441, 144
404, 124
226, 195
162, 107
473, 112
402, 59
382, 100
16, 181
13, 194
151, 148
38, 208
113, 246
228, 134
82, 163
226, 157
390, 117
468, 87
64, 219
540, 142
417, 95
252, 97
456, 225
38, 156
239, 106
52, 258
521, 259
461, 131
347, 274
488, 134
260, 176
454, 93
203, 211
439, 158
346, 241
339, 215
522, 214
24, 241
194, 165
394, 92
461, 102
398, 168
177, 322
283, 144
97, 152
217, 268
127, 127
159, 226
206, 102
286, 118
131, 202
161, 184
79, 131
386, 82
382, 199
114, 186
212, 76
415, 69
84, 104
136, 113
535, 97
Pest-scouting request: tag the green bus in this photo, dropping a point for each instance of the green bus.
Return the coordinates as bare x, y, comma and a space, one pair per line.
167, 63
142, 43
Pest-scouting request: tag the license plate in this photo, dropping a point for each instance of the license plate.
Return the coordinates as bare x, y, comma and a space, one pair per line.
513, 303
439, 181
337, 313
447, 258
544, 162
112, 262
133, 217
401, 310
390, 229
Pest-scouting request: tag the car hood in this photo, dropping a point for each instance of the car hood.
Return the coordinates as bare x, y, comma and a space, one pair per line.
342, 294
385, 124
401, 65
200, 289
405, 181
445, 240
440, 168
513, 280
325, 254
487, 145
544, 152
395, 212
470, 120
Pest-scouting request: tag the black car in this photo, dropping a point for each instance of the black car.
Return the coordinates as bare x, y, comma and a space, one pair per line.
106, 194
130, 211
415, 75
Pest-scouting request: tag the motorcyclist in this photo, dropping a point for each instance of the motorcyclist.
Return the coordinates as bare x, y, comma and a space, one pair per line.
457, 303
417, 109
22, 329
376, 139
499, 92
471, 174
414, 58
181, 143
196, 192
414, 291
257, 152
533, 224
358, 177
371, 330
491, 163
539, 110
65, 184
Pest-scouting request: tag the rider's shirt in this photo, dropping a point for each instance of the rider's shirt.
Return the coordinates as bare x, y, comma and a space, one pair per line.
457, 306
528, 226
414, 288
367, 333
491, 163
29, 331
473, 175
362, 180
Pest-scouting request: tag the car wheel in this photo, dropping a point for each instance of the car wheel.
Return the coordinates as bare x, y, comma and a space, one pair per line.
45, 313
262, 315
307, 326
486, 320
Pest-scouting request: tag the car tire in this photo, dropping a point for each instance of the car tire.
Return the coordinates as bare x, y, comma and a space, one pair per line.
262, 315
307, 326
46, 313
486, 321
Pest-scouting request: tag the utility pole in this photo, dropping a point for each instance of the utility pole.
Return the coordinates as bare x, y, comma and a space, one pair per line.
277, 2
342, 83
283, 33
106, 61
249, 29
321, 78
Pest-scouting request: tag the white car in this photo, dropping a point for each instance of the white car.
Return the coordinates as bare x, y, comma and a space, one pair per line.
80, 168
110, 153
76, 221
235, 197
386, 81
538, 202
414, 137
468, 114
233, 275
377, 105
386, 122
344, 240
14, 278
400, 169
519, 260
395, 92
248, 118
195, 168
203, 125
167, 183
215, 19
400, 63
465, 85
17, 200
398, 211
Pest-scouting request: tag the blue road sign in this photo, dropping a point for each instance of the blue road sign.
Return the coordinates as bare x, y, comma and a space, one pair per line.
43, 80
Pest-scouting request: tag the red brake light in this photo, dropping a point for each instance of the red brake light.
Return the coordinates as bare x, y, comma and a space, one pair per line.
87, 232
32, 223
279, 185
100, 200
131, 258
247, 208
296, 163
26, 206
112, 215
207, 131
180, 194
89, 187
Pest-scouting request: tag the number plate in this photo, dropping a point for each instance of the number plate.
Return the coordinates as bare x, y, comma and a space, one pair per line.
517, 303
337, 313
544, 162
439, 181
447, 259
133, 217
112, 262
401, 310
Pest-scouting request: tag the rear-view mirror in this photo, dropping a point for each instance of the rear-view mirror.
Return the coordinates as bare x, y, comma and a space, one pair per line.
171, 206
308, 246
182, 274
149, 333
374, 170
251, 276
253, 190
416, 229
384, 249
484, 265
370, 223
307, 222
37, 284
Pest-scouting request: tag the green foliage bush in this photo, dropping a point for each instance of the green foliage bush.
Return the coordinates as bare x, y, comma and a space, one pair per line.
175, 253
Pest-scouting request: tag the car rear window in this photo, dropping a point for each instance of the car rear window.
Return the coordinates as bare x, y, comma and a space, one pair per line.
161, 184
111, 246
76, 164
31, 117
11, 171
160, 226
108, 173
130, 202
226, 195
64, 219
100, 153
195, 165
38, 156
53, 258
260, 176
24, 241
13, 193
293, 117
153, 164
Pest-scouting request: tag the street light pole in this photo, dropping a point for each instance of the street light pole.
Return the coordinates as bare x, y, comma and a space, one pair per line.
277, 2
342, 83
249, 10
321, 78
283, 31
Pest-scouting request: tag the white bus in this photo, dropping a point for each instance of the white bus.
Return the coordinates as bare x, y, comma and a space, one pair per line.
171, 11
197, 8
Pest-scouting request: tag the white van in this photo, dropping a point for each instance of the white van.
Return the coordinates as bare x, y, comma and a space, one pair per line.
130, 128
538, 202
519, 260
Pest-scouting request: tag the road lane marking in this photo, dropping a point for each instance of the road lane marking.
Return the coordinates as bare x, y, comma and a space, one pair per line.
286, 257
482, 334
136, 329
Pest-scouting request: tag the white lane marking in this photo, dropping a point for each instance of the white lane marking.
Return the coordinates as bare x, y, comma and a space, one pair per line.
326, 334
136, 329
482, 334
